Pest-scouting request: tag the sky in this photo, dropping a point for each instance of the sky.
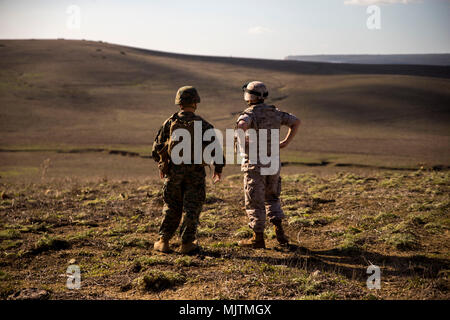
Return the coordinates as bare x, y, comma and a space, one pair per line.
256, 29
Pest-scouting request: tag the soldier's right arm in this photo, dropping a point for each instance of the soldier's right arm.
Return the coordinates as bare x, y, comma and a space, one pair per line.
244, 122
161, 138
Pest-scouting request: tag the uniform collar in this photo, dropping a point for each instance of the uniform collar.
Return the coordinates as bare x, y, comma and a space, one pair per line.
257, 105
186, 113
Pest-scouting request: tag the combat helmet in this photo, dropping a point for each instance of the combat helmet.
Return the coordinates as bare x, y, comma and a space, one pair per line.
187, 95
255, 90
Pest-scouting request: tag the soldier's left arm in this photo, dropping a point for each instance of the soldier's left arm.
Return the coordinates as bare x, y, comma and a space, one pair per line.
156, 146
218, 167
159, 142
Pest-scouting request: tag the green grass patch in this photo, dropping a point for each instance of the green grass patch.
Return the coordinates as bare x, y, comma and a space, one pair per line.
300, 222
270, 233
417, 219
100, 269
385, 216
205, 232
156, 280
48, 243
353, 230
327, 295
352, 243
153, 260
134, 242
185, 261
434, 227
83, 235
306, 284
323, 221
244, 233
95, 202
224, 245
402, 241
3, 275
288, 199
9, 234
10, 244
117, 231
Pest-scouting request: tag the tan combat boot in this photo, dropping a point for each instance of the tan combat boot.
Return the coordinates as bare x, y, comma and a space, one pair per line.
162, 245
189, 247
257, 242
281, 237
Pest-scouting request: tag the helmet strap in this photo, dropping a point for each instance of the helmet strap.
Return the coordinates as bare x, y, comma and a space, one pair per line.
254, 102
188, 106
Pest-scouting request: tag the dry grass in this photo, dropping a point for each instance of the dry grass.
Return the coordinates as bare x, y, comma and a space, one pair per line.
76, 183
339, 223
359, 114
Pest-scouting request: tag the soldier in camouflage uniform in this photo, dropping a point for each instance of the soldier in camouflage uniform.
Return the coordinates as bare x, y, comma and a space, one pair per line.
262, 192
184, 185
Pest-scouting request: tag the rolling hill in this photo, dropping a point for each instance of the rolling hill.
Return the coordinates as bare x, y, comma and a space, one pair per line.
70, 110
77, 94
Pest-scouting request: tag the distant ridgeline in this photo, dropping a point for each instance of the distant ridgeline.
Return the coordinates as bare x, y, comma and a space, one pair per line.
413, 59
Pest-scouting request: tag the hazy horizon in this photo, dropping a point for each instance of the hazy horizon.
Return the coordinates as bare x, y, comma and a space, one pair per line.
227, 56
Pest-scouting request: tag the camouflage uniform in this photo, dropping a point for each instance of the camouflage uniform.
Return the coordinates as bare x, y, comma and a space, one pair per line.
262, 193
184, 186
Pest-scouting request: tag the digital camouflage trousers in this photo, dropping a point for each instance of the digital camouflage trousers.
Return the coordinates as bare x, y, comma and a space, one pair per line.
262, 198
184, 190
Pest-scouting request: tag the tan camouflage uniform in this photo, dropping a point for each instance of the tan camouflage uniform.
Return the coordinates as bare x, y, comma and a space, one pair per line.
262, 193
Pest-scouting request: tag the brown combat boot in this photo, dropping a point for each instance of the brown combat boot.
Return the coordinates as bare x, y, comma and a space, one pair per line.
189, 247
162, 245
281, 237
257, 242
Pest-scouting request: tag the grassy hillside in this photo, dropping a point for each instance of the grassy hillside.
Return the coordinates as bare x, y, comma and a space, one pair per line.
58, 94
77, 120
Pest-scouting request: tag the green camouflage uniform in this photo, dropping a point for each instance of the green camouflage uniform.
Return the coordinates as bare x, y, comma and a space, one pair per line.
184, 186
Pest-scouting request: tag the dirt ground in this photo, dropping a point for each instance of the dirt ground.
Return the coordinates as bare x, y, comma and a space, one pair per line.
339, 220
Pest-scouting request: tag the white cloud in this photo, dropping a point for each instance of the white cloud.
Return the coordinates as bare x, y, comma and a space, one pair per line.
259, 30
371, 2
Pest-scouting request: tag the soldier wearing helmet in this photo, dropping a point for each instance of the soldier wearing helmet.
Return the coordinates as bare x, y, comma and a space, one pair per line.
184, 184
187, 96
262, 192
